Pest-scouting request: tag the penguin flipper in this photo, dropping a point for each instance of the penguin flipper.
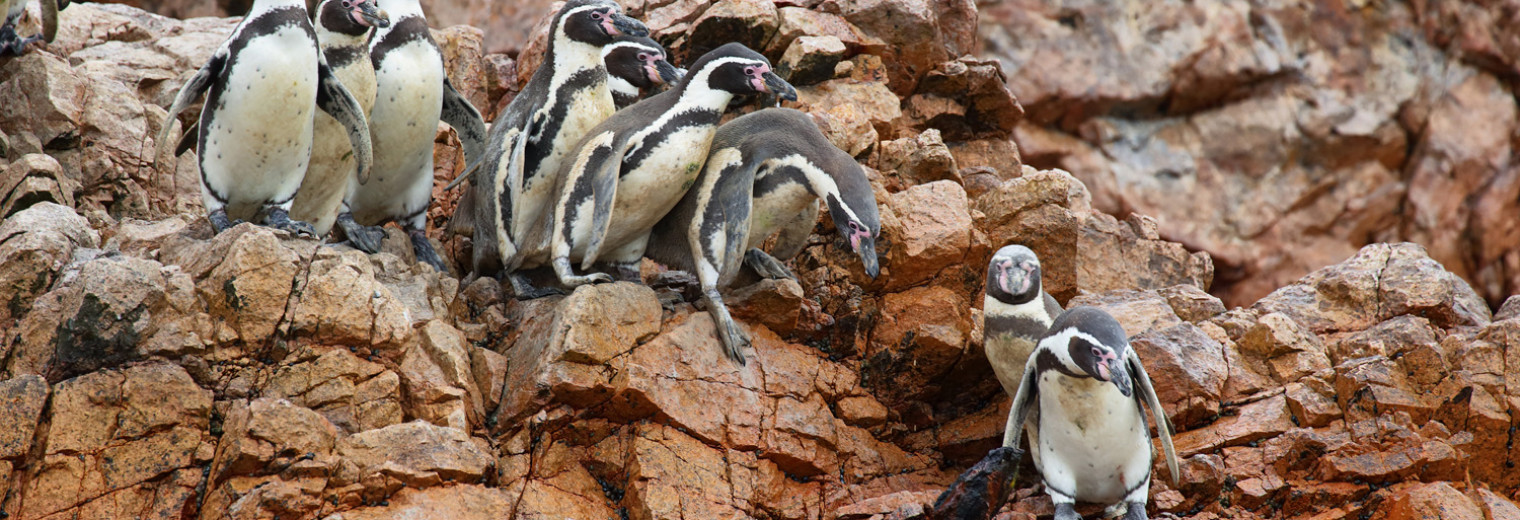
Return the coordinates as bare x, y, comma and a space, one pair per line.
49, 19
603, 177
466, 120
334, 98
192, 91
1023, 402
1147, 395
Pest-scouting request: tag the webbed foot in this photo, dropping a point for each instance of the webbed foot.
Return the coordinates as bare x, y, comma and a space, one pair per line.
363, 238
766, 265
523, 289
280, 219
219, 220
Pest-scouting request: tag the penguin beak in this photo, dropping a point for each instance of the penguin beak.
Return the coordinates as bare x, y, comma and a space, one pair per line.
1119, 375
373, 15
867, 252
668, 73
622, 24
775, 85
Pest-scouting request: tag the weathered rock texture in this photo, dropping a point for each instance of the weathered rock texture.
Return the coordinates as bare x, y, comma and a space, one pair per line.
1281, 137
150, 369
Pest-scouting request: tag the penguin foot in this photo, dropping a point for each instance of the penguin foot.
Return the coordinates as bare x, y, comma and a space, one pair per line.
766, 265
219, 220
735, 341
363, 238
568, 278
280, 219
424, 250
523, 290
13, 44
1067, 512
1136, 511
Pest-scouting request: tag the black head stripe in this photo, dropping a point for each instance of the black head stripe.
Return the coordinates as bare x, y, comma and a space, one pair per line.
1096, 323
336, 18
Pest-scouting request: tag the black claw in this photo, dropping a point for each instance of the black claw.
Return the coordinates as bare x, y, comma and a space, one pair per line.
280, 220
219, 220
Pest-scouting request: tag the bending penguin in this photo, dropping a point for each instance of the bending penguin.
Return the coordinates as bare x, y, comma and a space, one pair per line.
565, 98
14, 44
764, 169
1090, 390
635, 65
262, 87
629, 171
1016, 312
412, 94
343, 29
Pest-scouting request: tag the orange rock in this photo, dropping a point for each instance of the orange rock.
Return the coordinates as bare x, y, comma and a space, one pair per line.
1438, 501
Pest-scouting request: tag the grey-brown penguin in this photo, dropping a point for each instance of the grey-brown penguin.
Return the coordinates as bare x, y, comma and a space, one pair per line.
412, 95
343, 30
629, 171
1091, 392
1016, 311
763, 169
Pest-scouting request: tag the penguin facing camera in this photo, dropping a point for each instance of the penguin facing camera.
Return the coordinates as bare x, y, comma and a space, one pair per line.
1091, 391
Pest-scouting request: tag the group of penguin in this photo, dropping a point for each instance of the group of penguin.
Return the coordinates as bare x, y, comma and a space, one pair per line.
329, 126
1079, 391
580, 168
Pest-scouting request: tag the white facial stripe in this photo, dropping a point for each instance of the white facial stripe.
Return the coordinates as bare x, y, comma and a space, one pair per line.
1057, 344
626, 45
819, 182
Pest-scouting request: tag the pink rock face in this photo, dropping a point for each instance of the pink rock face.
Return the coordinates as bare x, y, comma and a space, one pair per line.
1359, 139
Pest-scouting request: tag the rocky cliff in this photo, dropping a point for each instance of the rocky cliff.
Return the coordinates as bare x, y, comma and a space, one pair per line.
149, 369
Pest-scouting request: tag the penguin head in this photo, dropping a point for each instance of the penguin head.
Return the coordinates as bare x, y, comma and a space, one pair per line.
739, 70
351, 17
595, 22
1013, 275
1093, 342
854, 211
640, 61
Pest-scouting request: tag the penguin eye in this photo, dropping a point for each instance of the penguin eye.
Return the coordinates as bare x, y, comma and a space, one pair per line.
597, 15
854, 227
749, 71
1097, 353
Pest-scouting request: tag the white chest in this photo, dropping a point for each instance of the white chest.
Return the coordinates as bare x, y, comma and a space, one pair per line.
1093, 439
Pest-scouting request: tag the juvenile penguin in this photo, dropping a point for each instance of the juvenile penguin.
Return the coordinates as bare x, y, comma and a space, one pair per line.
14, 44
629, 171
566, 96
764, 168
262, 87
1091, 391
412, 93
636, 65
1016, 313
343, 28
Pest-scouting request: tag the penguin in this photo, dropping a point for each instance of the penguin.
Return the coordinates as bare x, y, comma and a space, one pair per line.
635, 65
566, 96
262, 87
763, 169
1016, 312
12, 43
412, 94
343, 29
629, 171
1091, 390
